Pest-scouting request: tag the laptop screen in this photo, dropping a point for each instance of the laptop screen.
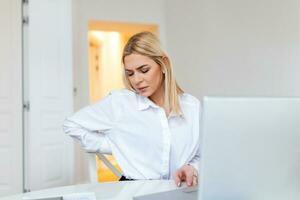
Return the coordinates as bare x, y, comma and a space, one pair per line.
250, 149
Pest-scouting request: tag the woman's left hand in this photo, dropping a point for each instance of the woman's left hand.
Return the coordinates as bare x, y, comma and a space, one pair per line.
188, 174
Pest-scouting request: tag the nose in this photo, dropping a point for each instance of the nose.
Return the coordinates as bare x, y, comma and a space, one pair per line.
137, 79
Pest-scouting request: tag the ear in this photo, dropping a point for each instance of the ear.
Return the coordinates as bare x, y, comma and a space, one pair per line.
165, 60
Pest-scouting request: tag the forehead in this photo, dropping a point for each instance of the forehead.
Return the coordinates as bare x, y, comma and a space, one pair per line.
134, 61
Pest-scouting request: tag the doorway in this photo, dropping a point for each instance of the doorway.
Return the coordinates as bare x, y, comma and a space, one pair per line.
106, 41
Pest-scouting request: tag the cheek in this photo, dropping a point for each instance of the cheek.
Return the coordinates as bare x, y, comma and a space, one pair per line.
155, 78
130, 80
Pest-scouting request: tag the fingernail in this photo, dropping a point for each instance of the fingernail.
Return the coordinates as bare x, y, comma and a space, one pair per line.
178, 184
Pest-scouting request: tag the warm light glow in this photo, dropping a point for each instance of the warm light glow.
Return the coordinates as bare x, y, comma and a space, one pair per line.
105, 71
109, 75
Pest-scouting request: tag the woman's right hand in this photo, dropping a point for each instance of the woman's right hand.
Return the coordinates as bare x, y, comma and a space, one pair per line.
188, 174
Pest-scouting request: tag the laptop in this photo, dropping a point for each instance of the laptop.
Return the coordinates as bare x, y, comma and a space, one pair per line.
250, 151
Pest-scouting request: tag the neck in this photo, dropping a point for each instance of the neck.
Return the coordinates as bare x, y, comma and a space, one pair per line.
158, 96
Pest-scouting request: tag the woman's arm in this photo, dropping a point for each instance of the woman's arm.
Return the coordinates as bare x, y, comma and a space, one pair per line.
195, 162
189, 172
91, 141
91, 125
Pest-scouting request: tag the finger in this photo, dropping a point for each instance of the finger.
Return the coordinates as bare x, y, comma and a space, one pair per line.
189, 179
178, 178
195, 180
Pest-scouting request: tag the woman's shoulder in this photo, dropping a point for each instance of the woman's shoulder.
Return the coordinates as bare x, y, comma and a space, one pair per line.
189, 99
122, 95
116, 99
122, 92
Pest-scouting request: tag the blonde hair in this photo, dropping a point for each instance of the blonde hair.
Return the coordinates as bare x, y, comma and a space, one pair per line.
147, 44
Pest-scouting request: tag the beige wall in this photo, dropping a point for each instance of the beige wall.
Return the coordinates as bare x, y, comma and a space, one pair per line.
235, 47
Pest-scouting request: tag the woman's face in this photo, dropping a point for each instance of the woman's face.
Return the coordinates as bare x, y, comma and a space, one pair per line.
144, 74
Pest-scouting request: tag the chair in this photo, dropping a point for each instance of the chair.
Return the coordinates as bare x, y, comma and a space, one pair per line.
93, 168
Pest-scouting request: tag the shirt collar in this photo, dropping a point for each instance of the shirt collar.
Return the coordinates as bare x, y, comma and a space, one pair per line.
172, 114
144, 103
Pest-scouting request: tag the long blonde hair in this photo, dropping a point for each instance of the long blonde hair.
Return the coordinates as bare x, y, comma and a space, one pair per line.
147, 44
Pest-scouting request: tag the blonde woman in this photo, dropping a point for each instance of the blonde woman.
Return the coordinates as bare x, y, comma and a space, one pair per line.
152, 127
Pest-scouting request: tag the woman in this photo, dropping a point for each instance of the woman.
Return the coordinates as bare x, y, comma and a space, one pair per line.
152, 127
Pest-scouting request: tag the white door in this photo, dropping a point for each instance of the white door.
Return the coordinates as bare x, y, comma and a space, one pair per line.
49, 155
11, 175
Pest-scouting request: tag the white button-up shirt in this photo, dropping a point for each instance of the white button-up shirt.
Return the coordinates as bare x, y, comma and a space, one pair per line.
144, 141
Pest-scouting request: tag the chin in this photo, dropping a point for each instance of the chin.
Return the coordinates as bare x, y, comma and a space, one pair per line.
146, 94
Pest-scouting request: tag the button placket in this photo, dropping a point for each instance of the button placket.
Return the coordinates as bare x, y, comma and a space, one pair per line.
166, 144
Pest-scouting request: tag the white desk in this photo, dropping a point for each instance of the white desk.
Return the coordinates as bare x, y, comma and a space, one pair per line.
123, 190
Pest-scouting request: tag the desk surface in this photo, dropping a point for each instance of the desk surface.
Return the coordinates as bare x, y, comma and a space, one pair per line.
123, 190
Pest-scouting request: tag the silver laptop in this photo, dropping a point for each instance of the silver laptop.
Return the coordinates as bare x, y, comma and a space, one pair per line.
250, 151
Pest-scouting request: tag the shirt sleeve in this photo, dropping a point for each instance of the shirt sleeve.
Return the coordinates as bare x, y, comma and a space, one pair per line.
91, 124
195, 161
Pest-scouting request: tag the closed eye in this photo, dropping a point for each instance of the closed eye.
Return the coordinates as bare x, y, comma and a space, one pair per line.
145, 70
129, 73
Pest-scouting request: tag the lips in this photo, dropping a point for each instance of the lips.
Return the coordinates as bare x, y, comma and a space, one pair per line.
142, 89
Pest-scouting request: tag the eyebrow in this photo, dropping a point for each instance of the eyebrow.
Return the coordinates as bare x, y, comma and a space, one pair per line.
137, 67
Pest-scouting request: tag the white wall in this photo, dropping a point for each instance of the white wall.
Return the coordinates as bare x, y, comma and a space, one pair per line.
235, 47
140, 11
